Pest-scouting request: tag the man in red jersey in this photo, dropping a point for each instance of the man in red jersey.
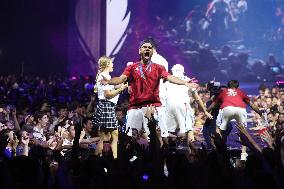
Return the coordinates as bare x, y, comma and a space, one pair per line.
233, 102
144, 80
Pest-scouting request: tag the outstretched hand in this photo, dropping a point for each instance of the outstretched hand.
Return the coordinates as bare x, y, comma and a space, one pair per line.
265, 136
190, 84
25, 139
123, 86
193, 80
208, 115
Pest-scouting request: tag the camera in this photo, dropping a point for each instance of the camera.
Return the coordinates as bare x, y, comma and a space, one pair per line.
213, 88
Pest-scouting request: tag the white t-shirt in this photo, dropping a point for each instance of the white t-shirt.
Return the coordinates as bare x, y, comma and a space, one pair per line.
177, 93
158, 59
38, 134
102, 88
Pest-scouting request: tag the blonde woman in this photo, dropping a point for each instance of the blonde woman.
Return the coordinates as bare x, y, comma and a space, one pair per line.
105, 117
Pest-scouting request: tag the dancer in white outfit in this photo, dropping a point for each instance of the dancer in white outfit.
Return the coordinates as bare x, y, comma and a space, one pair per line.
179, 114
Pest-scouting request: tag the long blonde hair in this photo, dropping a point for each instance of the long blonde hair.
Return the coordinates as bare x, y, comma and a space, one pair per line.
103, 63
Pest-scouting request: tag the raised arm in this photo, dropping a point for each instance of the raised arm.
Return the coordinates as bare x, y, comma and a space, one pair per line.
190, 83
176, 80
112, 93
254, 107
200, 103
16, 123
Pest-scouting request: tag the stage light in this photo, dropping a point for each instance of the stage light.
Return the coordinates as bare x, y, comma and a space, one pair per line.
145, 177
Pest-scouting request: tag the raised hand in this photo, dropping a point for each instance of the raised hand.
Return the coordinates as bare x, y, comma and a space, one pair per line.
193, 80
150, 112
25, 139
2, 126
123, 86
52, 142
246, 139
267, 138
190, 84
14, 112
93, 98
82, 134
13, 140
59, 143
208, 115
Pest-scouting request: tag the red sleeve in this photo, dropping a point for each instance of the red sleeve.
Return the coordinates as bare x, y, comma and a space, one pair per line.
245, 97
163, 73
127, 71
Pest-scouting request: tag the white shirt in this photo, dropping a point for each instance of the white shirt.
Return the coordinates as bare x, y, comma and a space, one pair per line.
177, 93
38, 134
158, 59
102, 88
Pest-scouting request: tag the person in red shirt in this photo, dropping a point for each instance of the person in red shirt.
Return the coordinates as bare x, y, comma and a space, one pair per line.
233, 102
144, 80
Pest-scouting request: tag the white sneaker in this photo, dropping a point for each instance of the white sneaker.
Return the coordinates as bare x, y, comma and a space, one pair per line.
244, 156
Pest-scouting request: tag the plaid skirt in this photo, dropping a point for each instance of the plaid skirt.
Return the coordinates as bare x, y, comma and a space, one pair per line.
105, 116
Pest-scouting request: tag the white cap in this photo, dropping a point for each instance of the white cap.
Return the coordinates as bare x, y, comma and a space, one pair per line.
178, 67
178, 70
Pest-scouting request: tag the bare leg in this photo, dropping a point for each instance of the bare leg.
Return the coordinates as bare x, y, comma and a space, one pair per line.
114, 140
103, 137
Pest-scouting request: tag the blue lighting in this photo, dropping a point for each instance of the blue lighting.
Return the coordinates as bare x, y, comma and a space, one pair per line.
145, 177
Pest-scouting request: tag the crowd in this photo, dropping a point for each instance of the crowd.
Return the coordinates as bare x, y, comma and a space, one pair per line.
270, 101
221, 33
55, 132
47, 130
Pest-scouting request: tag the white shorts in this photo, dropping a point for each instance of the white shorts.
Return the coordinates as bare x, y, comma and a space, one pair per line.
179, 115
136, 120
229, 113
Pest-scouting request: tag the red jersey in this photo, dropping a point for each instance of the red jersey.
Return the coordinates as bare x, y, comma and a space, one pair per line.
144, 84
232, 97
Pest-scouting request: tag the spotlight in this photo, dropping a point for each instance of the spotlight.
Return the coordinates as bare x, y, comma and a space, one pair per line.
145, 177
